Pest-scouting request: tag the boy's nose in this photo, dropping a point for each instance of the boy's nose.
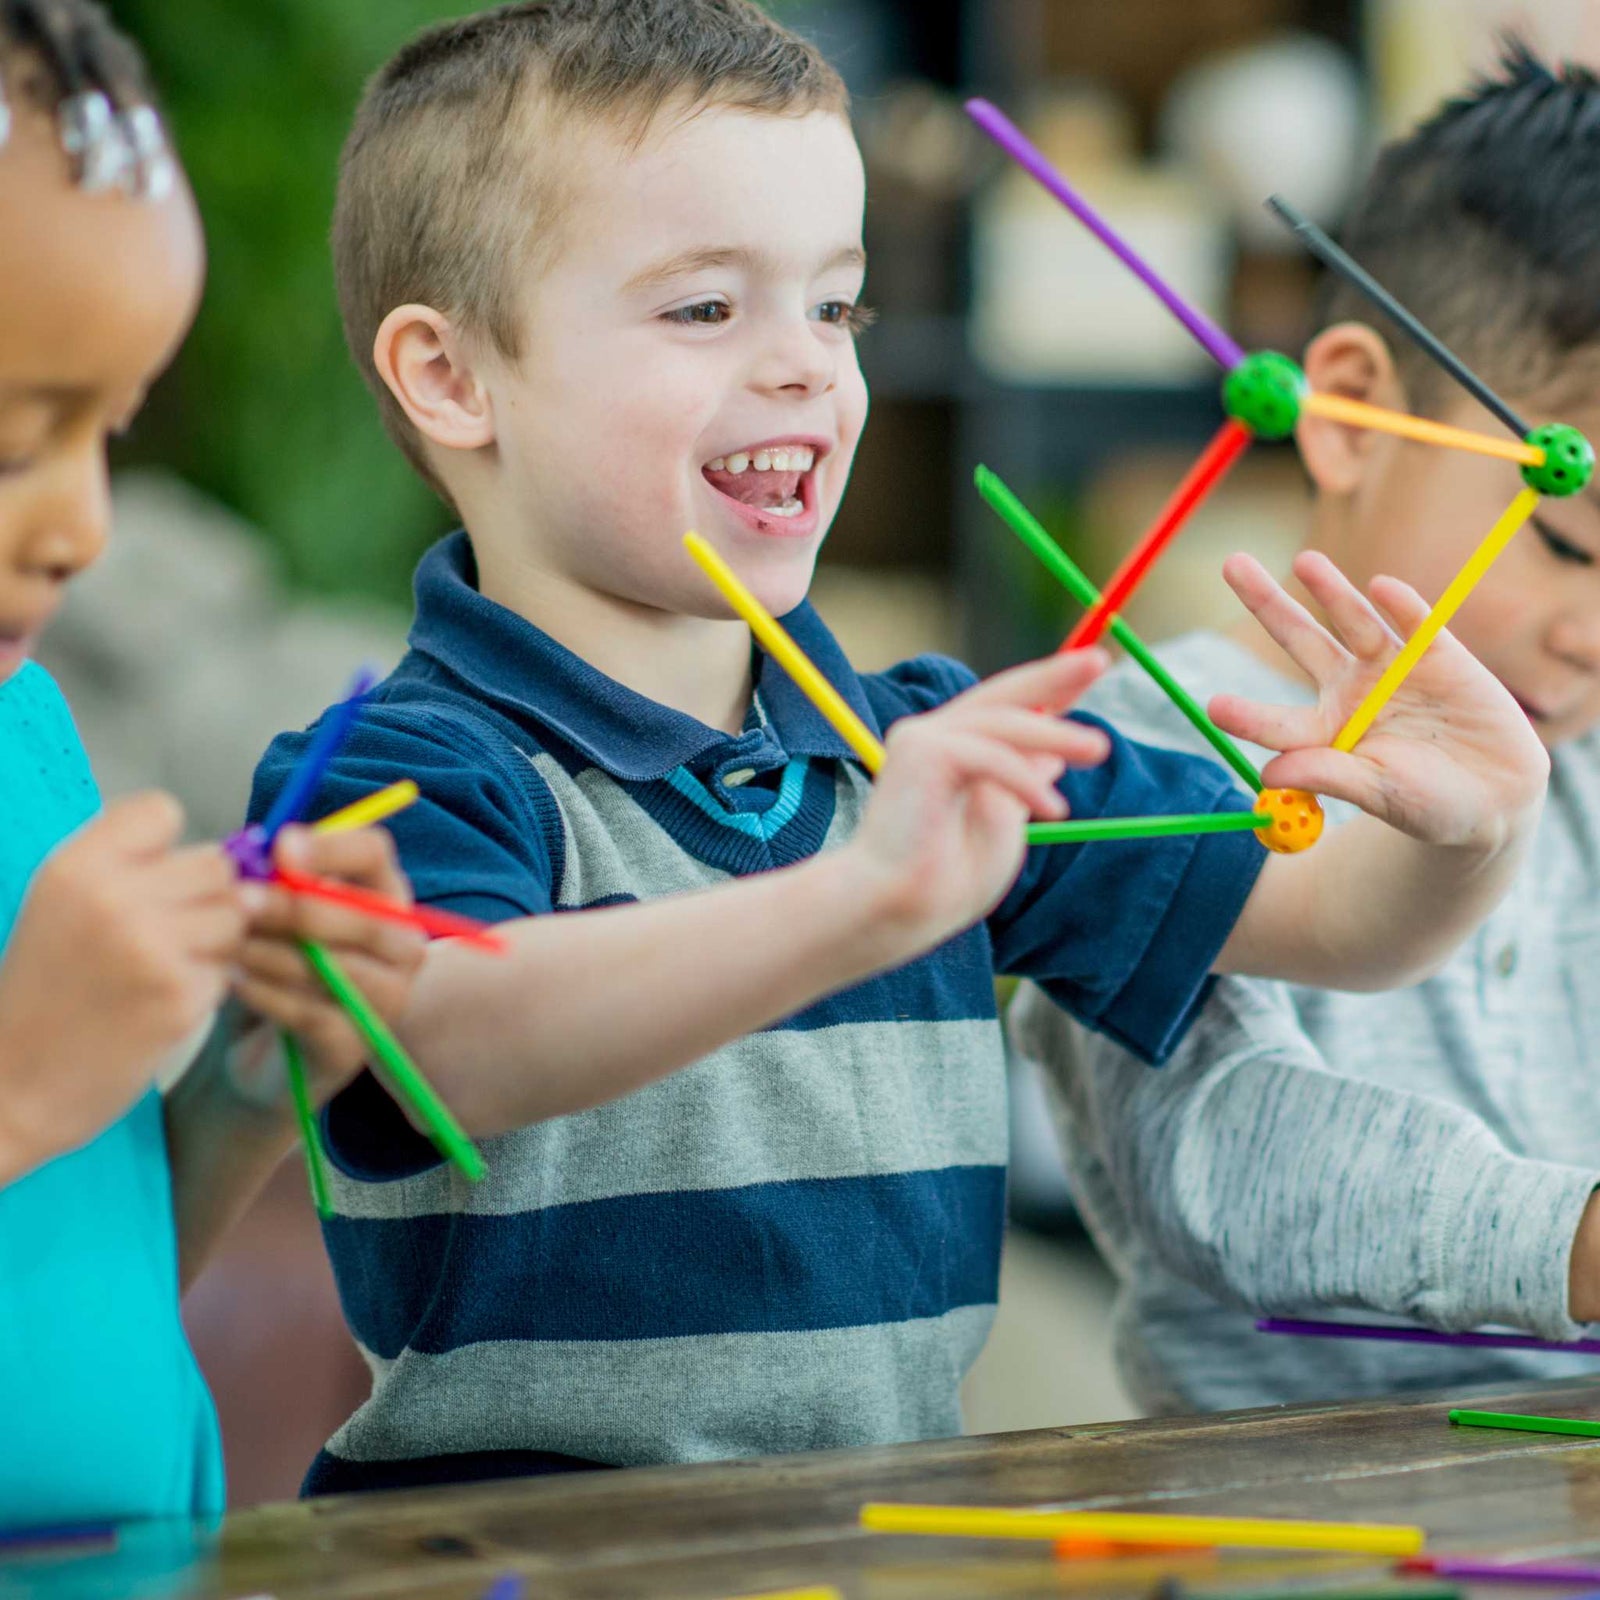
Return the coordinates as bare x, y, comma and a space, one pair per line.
1575, 637
795, 363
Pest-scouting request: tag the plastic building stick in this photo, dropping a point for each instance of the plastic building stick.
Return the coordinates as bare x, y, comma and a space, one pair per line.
1519, 1424
1095, 828
777, 643
1425, 431
1429, 629
1066, 572
1336, 260
1021, 149
378, 806
405, 1080
971, 1522
1383, 1331
825, 1592
436, 924
306, 1117
1230, 442
301, 788
1480, 1571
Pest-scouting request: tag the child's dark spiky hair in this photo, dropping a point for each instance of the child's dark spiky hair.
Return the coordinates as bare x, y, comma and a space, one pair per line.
1485, 221
67, 58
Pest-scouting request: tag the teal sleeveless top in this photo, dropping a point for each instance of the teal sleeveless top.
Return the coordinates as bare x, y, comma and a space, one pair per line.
103, 1413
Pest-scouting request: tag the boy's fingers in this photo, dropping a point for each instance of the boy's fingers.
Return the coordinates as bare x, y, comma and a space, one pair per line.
1029, 779
1325, 771
1271, 727
1404, 608
1350, 614
210, 932
1074, 742
1287, 622
1051, 684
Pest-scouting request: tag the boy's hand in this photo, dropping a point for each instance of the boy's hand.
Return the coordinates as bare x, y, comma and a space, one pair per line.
277, 983
1451, 760
942, 838
121, 952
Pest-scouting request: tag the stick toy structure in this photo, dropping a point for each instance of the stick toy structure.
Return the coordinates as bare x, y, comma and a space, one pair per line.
1265, 394
251, 850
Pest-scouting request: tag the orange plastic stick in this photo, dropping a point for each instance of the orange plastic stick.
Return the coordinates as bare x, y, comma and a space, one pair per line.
1337, 408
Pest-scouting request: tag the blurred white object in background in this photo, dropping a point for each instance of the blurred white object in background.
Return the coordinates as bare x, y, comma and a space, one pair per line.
1286, 116
182, 655
1050, 302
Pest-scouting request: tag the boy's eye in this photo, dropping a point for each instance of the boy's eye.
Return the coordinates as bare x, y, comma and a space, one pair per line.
852, 316
702, 314
1563, 549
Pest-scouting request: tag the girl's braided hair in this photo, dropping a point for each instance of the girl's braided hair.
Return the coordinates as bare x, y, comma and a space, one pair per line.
67, 58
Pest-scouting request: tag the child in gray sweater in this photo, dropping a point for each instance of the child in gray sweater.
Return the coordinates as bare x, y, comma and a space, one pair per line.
1427, 1154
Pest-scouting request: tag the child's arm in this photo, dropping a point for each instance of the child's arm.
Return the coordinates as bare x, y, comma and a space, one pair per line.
591, 1005
230, 1120
1250, 1167
1452, 766
121, 951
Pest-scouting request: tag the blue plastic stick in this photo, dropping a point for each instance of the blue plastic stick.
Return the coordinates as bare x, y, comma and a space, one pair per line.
301, 789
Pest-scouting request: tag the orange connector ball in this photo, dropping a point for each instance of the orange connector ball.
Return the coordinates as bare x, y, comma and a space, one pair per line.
1297, 819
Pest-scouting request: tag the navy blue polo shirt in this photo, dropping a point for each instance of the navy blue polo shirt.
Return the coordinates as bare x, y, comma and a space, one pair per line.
793, 1243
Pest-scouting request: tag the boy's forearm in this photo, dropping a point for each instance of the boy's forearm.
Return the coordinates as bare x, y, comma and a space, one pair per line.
1369, 908
222, 1148
588, 1006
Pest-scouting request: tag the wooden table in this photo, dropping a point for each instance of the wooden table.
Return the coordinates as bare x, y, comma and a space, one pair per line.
708, 1532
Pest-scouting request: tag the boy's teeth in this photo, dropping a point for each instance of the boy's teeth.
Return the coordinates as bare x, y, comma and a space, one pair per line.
799, 458
789, 508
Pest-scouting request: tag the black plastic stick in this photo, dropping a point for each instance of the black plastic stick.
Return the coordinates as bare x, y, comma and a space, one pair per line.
1336, 260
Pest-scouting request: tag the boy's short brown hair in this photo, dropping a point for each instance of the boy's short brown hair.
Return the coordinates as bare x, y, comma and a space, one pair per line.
443, 198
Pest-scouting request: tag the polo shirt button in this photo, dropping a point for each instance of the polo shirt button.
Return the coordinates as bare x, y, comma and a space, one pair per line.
739, 777
1505, 963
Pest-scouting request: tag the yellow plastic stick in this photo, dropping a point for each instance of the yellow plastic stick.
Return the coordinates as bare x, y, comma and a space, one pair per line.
1450, 602
1336, 408
826, 1592
788, 654
375, 807
1380, 1539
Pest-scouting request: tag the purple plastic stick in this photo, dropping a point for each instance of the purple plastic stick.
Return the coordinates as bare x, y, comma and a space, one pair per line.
1506, 1571
1017, 145
1378, 1330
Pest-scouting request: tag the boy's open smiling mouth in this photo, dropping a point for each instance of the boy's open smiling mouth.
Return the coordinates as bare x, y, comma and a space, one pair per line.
771, 486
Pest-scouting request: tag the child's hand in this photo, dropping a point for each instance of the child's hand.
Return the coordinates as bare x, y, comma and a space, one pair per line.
942, 838
382, 958
1451, 760
120, 954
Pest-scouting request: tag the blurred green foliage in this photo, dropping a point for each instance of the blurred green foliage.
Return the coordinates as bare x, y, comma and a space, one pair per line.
264, 408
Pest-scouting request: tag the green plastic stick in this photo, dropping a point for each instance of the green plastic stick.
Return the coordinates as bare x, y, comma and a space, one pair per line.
405, 1079
1506, 1419
1086, 832
1066, 571
310, 1138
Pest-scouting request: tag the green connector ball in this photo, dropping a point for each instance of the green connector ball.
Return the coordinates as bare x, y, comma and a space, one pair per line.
1263, 392
1568, 460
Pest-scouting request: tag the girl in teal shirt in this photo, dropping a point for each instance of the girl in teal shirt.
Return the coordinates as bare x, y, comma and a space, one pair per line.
118, 945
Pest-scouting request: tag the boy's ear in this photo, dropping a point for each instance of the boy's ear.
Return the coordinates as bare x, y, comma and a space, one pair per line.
1352, 360
420, 356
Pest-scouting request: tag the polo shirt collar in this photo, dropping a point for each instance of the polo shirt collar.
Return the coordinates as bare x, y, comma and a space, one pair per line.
539, 683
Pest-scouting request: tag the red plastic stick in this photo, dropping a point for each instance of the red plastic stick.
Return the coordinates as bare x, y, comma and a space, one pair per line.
436, 924
1226, 448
